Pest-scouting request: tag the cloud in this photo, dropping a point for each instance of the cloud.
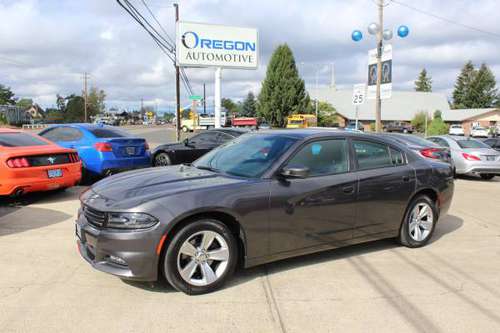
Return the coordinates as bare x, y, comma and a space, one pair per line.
47, 45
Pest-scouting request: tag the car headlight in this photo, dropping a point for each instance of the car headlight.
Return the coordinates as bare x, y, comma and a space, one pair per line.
131, 220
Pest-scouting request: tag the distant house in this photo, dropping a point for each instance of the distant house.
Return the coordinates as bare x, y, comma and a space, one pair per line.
403, 106
36, 112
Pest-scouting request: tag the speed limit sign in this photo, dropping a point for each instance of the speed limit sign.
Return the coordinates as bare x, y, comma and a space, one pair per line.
358, 94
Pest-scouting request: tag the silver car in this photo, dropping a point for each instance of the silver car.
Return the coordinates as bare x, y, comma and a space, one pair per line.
471, 156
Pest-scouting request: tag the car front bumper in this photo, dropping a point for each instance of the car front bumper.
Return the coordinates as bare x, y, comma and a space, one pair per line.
138, 250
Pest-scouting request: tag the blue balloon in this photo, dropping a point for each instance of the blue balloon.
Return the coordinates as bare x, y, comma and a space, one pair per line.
357, 35
403, 31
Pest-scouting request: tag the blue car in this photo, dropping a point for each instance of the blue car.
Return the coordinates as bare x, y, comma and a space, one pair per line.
104, 150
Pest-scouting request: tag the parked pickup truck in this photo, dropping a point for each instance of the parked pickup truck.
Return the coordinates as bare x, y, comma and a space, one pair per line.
398, 126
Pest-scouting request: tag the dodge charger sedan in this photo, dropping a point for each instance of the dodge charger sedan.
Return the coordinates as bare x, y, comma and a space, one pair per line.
262, 197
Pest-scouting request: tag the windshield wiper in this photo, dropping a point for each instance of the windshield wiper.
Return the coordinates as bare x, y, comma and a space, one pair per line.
203, 167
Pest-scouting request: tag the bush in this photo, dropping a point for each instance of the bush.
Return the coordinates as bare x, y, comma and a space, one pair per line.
3, 120
437, 127
373, 126
418, 122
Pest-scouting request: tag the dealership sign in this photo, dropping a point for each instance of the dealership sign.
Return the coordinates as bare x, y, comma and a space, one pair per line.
202, 45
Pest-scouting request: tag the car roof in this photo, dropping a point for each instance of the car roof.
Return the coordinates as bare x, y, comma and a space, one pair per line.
235, 130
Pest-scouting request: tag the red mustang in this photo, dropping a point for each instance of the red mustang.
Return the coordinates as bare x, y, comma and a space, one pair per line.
30, 163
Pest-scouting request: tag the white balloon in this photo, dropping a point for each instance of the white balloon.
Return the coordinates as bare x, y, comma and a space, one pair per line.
387, 34
373, 28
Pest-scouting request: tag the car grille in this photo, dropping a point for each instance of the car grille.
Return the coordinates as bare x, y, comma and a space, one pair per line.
94, 217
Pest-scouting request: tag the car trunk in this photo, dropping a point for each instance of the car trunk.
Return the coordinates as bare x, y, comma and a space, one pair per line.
485, 154
128, 147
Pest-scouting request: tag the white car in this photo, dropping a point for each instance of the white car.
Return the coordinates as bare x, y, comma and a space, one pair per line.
456, 130
479, 132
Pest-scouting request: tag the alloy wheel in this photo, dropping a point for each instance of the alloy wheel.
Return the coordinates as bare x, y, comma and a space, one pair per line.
421, 221
162, 159
203, 258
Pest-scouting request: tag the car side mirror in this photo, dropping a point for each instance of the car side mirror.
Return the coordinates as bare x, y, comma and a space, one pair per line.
295, 172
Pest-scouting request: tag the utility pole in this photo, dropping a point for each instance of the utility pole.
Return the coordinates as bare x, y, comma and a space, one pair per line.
316, 104
204, 100
177, 87
380, 46
85, 97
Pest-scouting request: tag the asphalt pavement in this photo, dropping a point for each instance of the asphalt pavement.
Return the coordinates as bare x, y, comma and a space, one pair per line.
451, 285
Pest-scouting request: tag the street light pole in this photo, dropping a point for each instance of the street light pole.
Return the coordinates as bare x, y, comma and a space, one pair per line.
380, 46
316, 95
177, 88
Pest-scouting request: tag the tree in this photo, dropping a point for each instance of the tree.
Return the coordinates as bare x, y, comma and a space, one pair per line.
95, 101
327, 116
230, 106
424, 82
437, 125
3, 120
482, 92
418, 122
283, 91
6, 96
249, 106
61, 103
462, 86
24, 103
75, 110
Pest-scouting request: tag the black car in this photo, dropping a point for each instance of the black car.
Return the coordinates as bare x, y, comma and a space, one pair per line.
398, 126
265, 196
493, 143
192, 148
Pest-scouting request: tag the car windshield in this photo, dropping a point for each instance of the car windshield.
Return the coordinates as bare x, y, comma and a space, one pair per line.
20, 140
106, 132
469, 143
413, 140
479, 128
247, 156
456, 126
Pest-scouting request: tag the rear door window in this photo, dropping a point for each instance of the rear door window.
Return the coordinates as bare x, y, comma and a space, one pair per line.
371, 155
63, 134
108, 133
397, 157
20, 140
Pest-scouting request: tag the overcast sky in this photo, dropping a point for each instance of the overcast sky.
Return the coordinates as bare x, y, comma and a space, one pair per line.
46, 45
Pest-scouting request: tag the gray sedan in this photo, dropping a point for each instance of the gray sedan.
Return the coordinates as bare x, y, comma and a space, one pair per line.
471, 156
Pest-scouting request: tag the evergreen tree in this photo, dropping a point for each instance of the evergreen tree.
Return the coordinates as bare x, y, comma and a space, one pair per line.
283, 91
462, 86
482, 92
424, 82
6, 96
249, 106
437, 125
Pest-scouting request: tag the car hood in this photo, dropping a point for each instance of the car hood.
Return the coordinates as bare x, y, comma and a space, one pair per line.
130, 189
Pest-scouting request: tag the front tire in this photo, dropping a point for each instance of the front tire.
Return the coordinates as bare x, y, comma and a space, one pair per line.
487, 176
419, 222
201, 257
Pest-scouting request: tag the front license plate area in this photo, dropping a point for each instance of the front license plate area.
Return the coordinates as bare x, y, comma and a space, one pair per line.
54, 173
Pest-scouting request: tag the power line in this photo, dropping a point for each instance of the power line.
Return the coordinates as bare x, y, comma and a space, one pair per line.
442, 18
159, 24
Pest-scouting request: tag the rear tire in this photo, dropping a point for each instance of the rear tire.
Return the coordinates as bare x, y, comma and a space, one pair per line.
162, 159
487, 176
201, 257
419, 222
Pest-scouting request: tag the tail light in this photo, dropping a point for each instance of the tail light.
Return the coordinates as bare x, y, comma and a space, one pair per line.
146, 146
431, 153
103, 147
73, 157
470, 157
18, 162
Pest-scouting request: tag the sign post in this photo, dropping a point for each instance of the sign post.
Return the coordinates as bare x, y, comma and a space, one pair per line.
217, 96
358, 98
